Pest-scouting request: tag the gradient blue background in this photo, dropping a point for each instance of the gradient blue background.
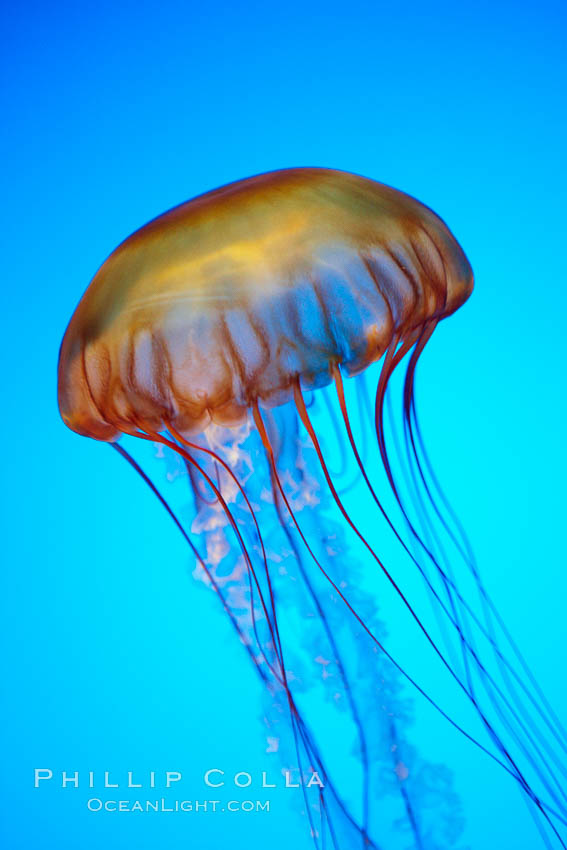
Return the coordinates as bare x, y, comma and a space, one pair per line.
113, 112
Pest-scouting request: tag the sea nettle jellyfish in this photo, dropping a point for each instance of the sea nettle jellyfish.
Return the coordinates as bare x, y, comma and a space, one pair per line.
223, 332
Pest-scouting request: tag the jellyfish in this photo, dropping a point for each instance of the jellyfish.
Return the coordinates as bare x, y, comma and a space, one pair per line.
238, 333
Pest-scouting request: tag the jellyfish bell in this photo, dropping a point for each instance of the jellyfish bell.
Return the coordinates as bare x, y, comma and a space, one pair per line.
233, 296
202, 332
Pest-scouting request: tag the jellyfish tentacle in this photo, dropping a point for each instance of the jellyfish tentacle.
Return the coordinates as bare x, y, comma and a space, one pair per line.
294, 713
406, 797
342, 404
271, 618
309, 427
544, 807
156, 437
277, 482
336, 654
273, 628
409, 405
296, 717
126, 455
196, 483
404, 791
335, 426
488, 726
242, 490
176, 448
528, 734
408, 396
365, 627
449, 582
453, 617
557, 728
218, 459
246, 644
